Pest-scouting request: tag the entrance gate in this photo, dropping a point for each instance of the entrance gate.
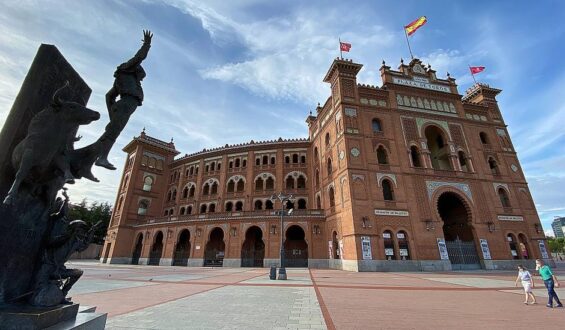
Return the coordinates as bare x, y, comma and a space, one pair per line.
463, 255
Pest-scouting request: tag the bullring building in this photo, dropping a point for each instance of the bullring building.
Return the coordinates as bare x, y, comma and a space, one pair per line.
410, 175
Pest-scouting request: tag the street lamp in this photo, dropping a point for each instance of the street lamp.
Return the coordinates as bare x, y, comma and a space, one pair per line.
283, 199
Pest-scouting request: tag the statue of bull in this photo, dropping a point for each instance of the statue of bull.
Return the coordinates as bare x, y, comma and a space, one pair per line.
48, 142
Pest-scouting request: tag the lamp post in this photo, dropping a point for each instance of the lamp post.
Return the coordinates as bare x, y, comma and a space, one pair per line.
282, 198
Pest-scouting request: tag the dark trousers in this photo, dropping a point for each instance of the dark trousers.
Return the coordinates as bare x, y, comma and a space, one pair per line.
551, 292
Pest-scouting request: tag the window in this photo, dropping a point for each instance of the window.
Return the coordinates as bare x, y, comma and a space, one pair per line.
272, 160
142, 207
388, 193
318, 202
382, 157
185, 192
259, 184
229, 206
301, 204
377, 126
327, 140
206, 190
301, 182
462, 161
317, 178
403, 248
231, 186
212, 208
268, 205
239, 206
493, 166
289, 205
213, 167
415, 156
166, 213
258, 205
316, 158
484, 138
174, 195
126, 180
207, 168
191, 191
303, 159
265, 160
203, 208
295, 159
331, 196
513, 246
240, 185
289, 183
237, 162
169, 196
214, 189
219, 166
388, 242
504, 200
270, 184
244, 163
182, 210
147, 183
258, 161
286, 159
330, 166
231, 164
189, 210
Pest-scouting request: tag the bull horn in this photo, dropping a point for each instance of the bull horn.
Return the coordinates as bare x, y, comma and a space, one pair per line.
57, 101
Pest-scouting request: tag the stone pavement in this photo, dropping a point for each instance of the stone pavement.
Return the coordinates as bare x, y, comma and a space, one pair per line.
149, 297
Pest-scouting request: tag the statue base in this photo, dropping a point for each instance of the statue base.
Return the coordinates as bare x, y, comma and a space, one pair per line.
58, 317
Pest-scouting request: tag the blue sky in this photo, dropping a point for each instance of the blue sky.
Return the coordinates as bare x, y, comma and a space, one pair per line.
231, 71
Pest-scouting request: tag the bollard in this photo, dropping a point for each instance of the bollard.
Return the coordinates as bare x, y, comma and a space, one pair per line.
273, 273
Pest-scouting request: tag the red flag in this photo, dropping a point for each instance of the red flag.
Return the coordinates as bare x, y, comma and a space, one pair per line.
415, 25
344, 46
476, 69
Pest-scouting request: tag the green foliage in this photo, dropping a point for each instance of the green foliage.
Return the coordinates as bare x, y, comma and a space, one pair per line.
556, 244
91, 214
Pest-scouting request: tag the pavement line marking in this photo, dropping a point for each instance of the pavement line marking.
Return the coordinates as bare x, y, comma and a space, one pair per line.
323, 307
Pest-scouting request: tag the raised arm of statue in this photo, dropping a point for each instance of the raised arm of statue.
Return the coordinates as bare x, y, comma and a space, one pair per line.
141, 53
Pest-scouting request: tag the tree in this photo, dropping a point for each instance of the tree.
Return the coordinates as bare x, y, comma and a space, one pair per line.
91, 214
557, 245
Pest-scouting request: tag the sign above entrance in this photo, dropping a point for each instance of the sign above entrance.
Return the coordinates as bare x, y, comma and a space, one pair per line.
510, 218
421, 83
394, 213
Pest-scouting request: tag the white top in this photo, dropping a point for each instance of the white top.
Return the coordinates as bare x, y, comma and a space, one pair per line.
524, 275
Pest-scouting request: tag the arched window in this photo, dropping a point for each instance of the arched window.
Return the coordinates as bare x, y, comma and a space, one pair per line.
196, 170
403, 249
301, 182
147, 183
259, 184
191, 191
219, 166
207, 168
206, 189
182, 210
185, 192
484, 138
142, 207
237, 162
318, 202
213, 167
377, 126
174, 196
289, 205
513, 246
171, 211
388, 193
382, 157
327, 140
244, 163
415, 156
203, 208
239, 206
191, 170
388, 242
231, 186
295, 158
272, 160
301, 204
166, 213
214, 189
265, 160
229, 206
230, 165
240, 185
212, 208
330, 169
270, 184
316, 157
331, 196
493, 166
317, 178
258, 161
289, 182
258, 205
462, 161
189, 210
439, 151
503, 195
287, 159
169, 196
523, 245
268, 205
303, 159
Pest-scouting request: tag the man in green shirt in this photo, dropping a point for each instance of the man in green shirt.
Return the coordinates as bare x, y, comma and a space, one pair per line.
550, 281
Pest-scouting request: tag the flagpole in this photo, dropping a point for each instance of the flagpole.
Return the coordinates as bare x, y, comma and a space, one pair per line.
408, 42
472, 74
340, 51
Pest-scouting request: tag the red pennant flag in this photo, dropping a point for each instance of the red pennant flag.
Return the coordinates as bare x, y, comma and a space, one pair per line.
476, 69
344, 46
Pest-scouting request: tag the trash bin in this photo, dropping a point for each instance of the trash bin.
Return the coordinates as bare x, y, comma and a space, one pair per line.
273, 273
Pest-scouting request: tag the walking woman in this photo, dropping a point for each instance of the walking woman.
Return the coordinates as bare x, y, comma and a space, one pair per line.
550, 281
527, 282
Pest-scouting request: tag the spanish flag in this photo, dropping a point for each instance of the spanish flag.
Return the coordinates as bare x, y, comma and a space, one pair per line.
412, 27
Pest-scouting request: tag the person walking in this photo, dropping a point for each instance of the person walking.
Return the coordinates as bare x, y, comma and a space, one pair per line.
550, 282
527, 282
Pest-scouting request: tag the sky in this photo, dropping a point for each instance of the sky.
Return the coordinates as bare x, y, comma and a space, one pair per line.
233, 71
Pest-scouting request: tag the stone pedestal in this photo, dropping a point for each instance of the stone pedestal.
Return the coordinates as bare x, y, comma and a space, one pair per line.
58, 317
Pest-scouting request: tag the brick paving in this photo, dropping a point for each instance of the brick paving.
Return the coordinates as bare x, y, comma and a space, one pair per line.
147, 297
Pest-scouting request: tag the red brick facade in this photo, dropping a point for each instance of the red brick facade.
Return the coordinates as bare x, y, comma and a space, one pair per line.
389, 178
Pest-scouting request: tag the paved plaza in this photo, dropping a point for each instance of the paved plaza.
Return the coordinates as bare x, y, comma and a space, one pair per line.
148, 297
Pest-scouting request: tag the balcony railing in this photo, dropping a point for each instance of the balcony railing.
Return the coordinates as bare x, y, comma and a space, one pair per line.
261, 214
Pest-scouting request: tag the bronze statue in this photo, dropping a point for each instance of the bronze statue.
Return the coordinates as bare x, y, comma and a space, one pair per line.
127, 86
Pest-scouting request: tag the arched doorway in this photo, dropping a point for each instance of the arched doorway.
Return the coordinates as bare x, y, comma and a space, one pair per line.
458, 232
137, 250
156, 250
215, 248
253, 249
182, 249
335, 246
295, 247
